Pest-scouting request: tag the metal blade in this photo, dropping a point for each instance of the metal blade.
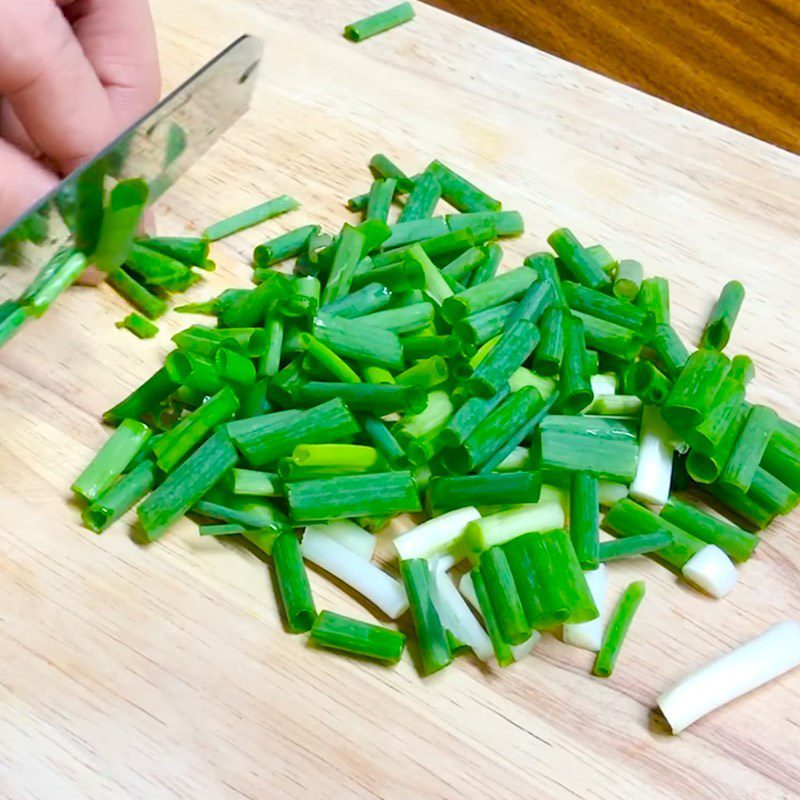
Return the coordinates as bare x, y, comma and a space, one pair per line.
159, 148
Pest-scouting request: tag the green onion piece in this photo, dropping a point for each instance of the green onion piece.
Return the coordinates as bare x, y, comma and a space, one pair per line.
120, 497
121, 218
550, 353
270, 362
459, 192
423, 199
467, 419
379, 23
144, 399
379, 375
267, 438
338, 456
670, 351
336, 632
206, 341
628, 280
737, 543
449, 493
428, 373
416, 230
694, 390
249, 512
253, 482
583, 525
461, 268
192, 429
643, 544
608, 337
155, 268
186, 485
743, 369
253, 216
484, 325
221, 529
293, 585
576, 390
305, 296
89, 198
431, 635
717, 332
68, 272
617, 628
503, 596
383, 440
423, 346
139, 326
380, 198
541, 600
648, 383
379, 399
506, 525
627, 518
111, 461
654, 297
284, 247
603, 447
494, 292
328, 360
376, 494
609, 309
602, 258
364, 301
348, 339
706, 465
252, 309
406, 319
234, 367
616, 405
348, 254
434, 284
437, 411
772, 495
382, 167
782, 459
742, 505
760, 424
513, 349
501, 648
189, 250
584, 268
533, 304
11, 323
487, 269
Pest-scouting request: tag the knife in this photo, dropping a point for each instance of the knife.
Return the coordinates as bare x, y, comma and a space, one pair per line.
158, 149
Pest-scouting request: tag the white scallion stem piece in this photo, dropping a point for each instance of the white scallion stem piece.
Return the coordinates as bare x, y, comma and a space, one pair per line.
347, 533
610, 493
524, 377
516, 459
498, 528
589, 635
383, 590
712, 571
456, 615
437, 536
603, 384
467, 589
656, 449
749, 666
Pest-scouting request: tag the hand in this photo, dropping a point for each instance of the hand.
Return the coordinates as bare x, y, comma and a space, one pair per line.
73, 75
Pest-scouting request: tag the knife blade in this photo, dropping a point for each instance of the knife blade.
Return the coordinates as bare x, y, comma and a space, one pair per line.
158, 148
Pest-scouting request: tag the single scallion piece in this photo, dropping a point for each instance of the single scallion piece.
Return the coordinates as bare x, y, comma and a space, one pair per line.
717, 332
583, 524
491, 293
144, 399
654, 297
121, 496
628, 280
293, 585
140, 327
189, 250
336, 632
346, 337
379, 399
379, 23
253, 482
584, 268
364, 301
459, 192
693, 393
643, 544
253, 216
283, 247
550, 353
513, 349
451, 492
617, 629
121, 218
575, 388
748, 450
503, 595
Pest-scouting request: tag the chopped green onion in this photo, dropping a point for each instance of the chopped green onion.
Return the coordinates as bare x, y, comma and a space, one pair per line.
643, 544
293, 585
617, 629
506, 525
427, 373
437, 411
407, 319
382, 167
459, 192
346, 338
440, 536
253, 482
139, 326
144, 399
69, 270
461, 268
752, 441
348, 254
550, 353
379, 399
576, 390
253, 216
584, 268
717, 332
487, 269
693, 393
234, 367
491, 293
250, 512
364, 301
336, 632
422, 200
583, 525
329, 361
121, 217
656, 450
608, 337
191, 251
654, 297
379, 23
380, 198
502, 650
512, 488
503, 595
283, 247
609, 309
670, 351
648, 382
782, 459
121, 496
628, 280
416, 230
513, 349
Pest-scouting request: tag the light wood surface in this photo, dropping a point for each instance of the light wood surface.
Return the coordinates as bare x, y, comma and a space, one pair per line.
164, 672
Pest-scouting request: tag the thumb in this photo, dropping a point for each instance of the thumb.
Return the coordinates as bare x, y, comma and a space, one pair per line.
24, 182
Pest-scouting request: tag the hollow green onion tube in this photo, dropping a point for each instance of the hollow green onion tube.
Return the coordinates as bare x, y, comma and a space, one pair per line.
253, 216
143, 399
693, 393
284, 247
186, 485
434, 283
407, 319
416, 230
511, 488
120, 497
348, 254
608, 337
267, 438
69, 270
339, 456
643, 544
487, 269
121, 218
337, 632
782, 459
581, 266
575, 388
737, 543
383, 440
382, 167
488, 225
583, 525
465, 421
771, 494
605, 448
155, 268
706, 465
483, 325
503, 526
501, 648
293, 585
437, 411
140, 327
616, 405
376, 494
379, 23
617, 629
234, 367
422, 200
628, 280
670, 351
533, 304
247, 341
742, 505
609, 309
748, 450
380, 198
602, 258
648, 382
366, 300
253, 482
112, 460
503, 595
550, 352
543, 605
189, 250
459, 192
328, 360
461, 268
494, 292
400, 276
513, 349
379, 399
654, 298
427, 373
717, 332
494, 431
192, 429
627, 518
347, 338
251, 512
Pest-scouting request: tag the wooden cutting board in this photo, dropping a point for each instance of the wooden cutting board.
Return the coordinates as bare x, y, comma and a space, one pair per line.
163, 672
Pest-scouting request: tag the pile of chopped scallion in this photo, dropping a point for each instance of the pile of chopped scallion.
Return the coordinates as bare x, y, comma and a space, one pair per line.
397, 369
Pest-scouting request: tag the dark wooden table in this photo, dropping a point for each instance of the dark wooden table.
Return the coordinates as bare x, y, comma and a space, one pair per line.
736, 61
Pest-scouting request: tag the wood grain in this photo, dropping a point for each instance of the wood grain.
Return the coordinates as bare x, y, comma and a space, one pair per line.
163, 672
735, 61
